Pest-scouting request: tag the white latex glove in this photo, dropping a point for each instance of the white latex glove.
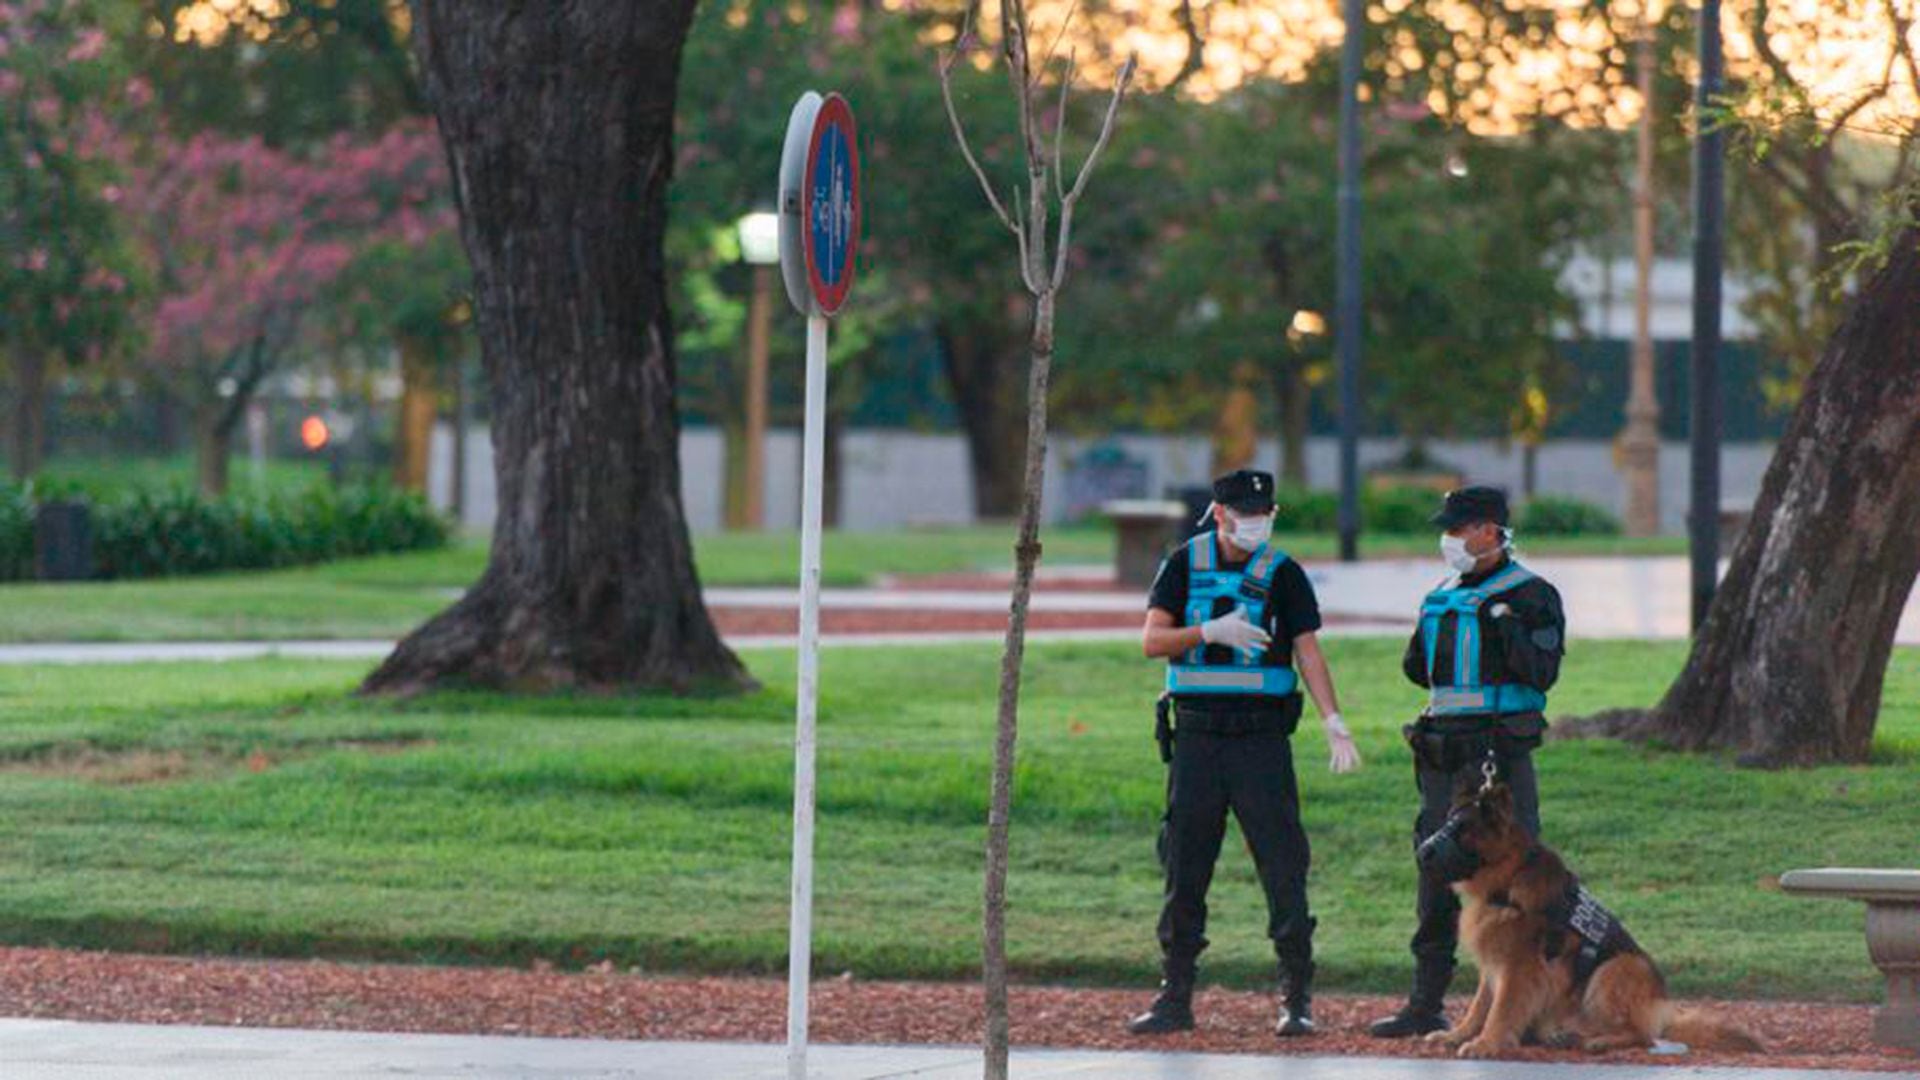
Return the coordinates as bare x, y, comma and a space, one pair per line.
1343, 756
1233, 629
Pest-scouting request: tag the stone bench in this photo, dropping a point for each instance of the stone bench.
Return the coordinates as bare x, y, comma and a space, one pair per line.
1144, 531
1893, 938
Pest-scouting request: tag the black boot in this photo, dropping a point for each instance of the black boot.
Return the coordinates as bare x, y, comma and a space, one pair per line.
1173, 1009
1296, 999
1424, 1011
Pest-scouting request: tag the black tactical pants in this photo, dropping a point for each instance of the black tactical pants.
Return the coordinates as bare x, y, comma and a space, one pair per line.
1252, 775
1437, 935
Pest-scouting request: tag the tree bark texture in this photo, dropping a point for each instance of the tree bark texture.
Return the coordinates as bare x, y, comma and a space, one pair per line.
558, 121
419, 405
1295, 397
1026, 557
1788, 668
213, 452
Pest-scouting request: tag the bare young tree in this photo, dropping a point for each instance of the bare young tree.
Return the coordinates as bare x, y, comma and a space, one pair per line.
1042, 270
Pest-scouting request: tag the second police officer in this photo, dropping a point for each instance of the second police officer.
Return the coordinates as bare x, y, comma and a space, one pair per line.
1487, 649
1236, 619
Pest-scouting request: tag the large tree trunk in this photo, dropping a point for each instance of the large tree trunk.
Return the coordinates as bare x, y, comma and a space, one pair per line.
1236, 429
1295, 398
419, 404
1290, 382
214, 446
558, 120
28, 443
733, 470
1788, 668
983, 373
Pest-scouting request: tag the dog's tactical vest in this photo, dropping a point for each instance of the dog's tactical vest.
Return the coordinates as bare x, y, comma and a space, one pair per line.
1602, 935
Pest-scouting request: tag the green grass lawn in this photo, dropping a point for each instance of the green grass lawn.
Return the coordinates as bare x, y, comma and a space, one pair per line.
254, 808
388, 595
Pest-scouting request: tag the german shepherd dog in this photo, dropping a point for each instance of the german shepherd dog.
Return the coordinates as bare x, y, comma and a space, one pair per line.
1556, 968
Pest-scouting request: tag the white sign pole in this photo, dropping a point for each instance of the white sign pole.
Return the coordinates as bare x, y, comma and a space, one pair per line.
813, 473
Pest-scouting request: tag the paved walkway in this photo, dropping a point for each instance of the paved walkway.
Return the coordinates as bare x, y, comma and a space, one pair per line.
62, 1050
1605, 598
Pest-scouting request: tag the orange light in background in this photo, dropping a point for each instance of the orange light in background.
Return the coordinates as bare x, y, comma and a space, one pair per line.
314, 433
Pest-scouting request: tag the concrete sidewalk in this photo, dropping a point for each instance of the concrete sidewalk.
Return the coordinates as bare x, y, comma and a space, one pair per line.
63, 1050
1605, 598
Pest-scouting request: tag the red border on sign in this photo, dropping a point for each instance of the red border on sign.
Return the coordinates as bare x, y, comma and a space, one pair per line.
834, 111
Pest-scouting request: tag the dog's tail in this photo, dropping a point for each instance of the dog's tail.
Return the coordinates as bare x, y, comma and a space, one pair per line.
1702, 1029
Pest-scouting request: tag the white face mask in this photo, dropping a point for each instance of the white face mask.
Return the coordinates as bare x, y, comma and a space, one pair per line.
1248, 533
1453, 549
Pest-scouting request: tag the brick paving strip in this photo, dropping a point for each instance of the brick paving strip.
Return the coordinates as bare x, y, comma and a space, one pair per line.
130, 988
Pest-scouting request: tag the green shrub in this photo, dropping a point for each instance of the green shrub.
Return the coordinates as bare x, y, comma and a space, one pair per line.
1298, 510
1557, 515
179, 532
16, 532
1399, 511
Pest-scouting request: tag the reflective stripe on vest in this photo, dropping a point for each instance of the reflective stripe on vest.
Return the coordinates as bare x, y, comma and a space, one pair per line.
1468, 695
1247, 588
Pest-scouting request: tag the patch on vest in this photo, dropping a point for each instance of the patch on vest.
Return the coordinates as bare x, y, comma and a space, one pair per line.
1591, 920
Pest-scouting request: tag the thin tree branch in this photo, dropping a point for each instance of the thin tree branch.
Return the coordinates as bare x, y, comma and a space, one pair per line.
1120, 84
1902, 26
1866, 98
1764, 47
1013, 44
1196, 59
1060, 131
1068, 201
960, 133
1054, 49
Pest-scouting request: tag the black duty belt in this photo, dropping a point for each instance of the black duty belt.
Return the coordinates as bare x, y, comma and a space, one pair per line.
1229, 721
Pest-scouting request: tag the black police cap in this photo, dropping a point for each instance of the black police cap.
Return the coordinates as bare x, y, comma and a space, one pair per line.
1464, 506
1246, 490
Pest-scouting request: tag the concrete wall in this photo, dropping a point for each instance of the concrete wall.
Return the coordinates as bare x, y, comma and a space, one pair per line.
901, 478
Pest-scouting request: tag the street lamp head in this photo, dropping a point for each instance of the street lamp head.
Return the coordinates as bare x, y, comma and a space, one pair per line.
760, 238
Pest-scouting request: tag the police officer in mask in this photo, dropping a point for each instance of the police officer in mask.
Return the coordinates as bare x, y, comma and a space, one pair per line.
1236, 619
1487, 650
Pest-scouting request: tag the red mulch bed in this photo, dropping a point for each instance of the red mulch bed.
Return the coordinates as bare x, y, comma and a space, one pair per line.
734, 621
57, 983
974, 581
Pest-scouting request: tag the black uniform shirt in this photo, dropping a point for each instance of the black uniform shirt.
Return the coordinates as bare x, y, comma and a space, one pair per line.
1292, 610
1522, 647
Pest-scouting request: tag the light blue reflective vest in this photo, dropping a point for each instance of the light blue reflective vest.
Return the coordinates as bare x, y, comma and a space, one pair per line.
1248, 588
1468, 695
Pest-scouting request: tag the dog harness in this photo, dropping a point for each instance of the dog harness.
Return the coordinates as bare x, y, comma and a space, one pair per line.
1208, 583
1466, 694
1602, 935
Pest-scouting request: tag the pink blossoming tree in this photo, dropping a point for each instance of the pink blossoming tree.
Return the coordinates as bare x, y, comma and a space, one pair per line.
249, 244
69, 281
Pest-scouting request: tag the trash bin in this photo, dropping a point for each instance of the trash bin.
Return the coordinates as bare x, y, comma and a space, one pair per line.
63, 541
